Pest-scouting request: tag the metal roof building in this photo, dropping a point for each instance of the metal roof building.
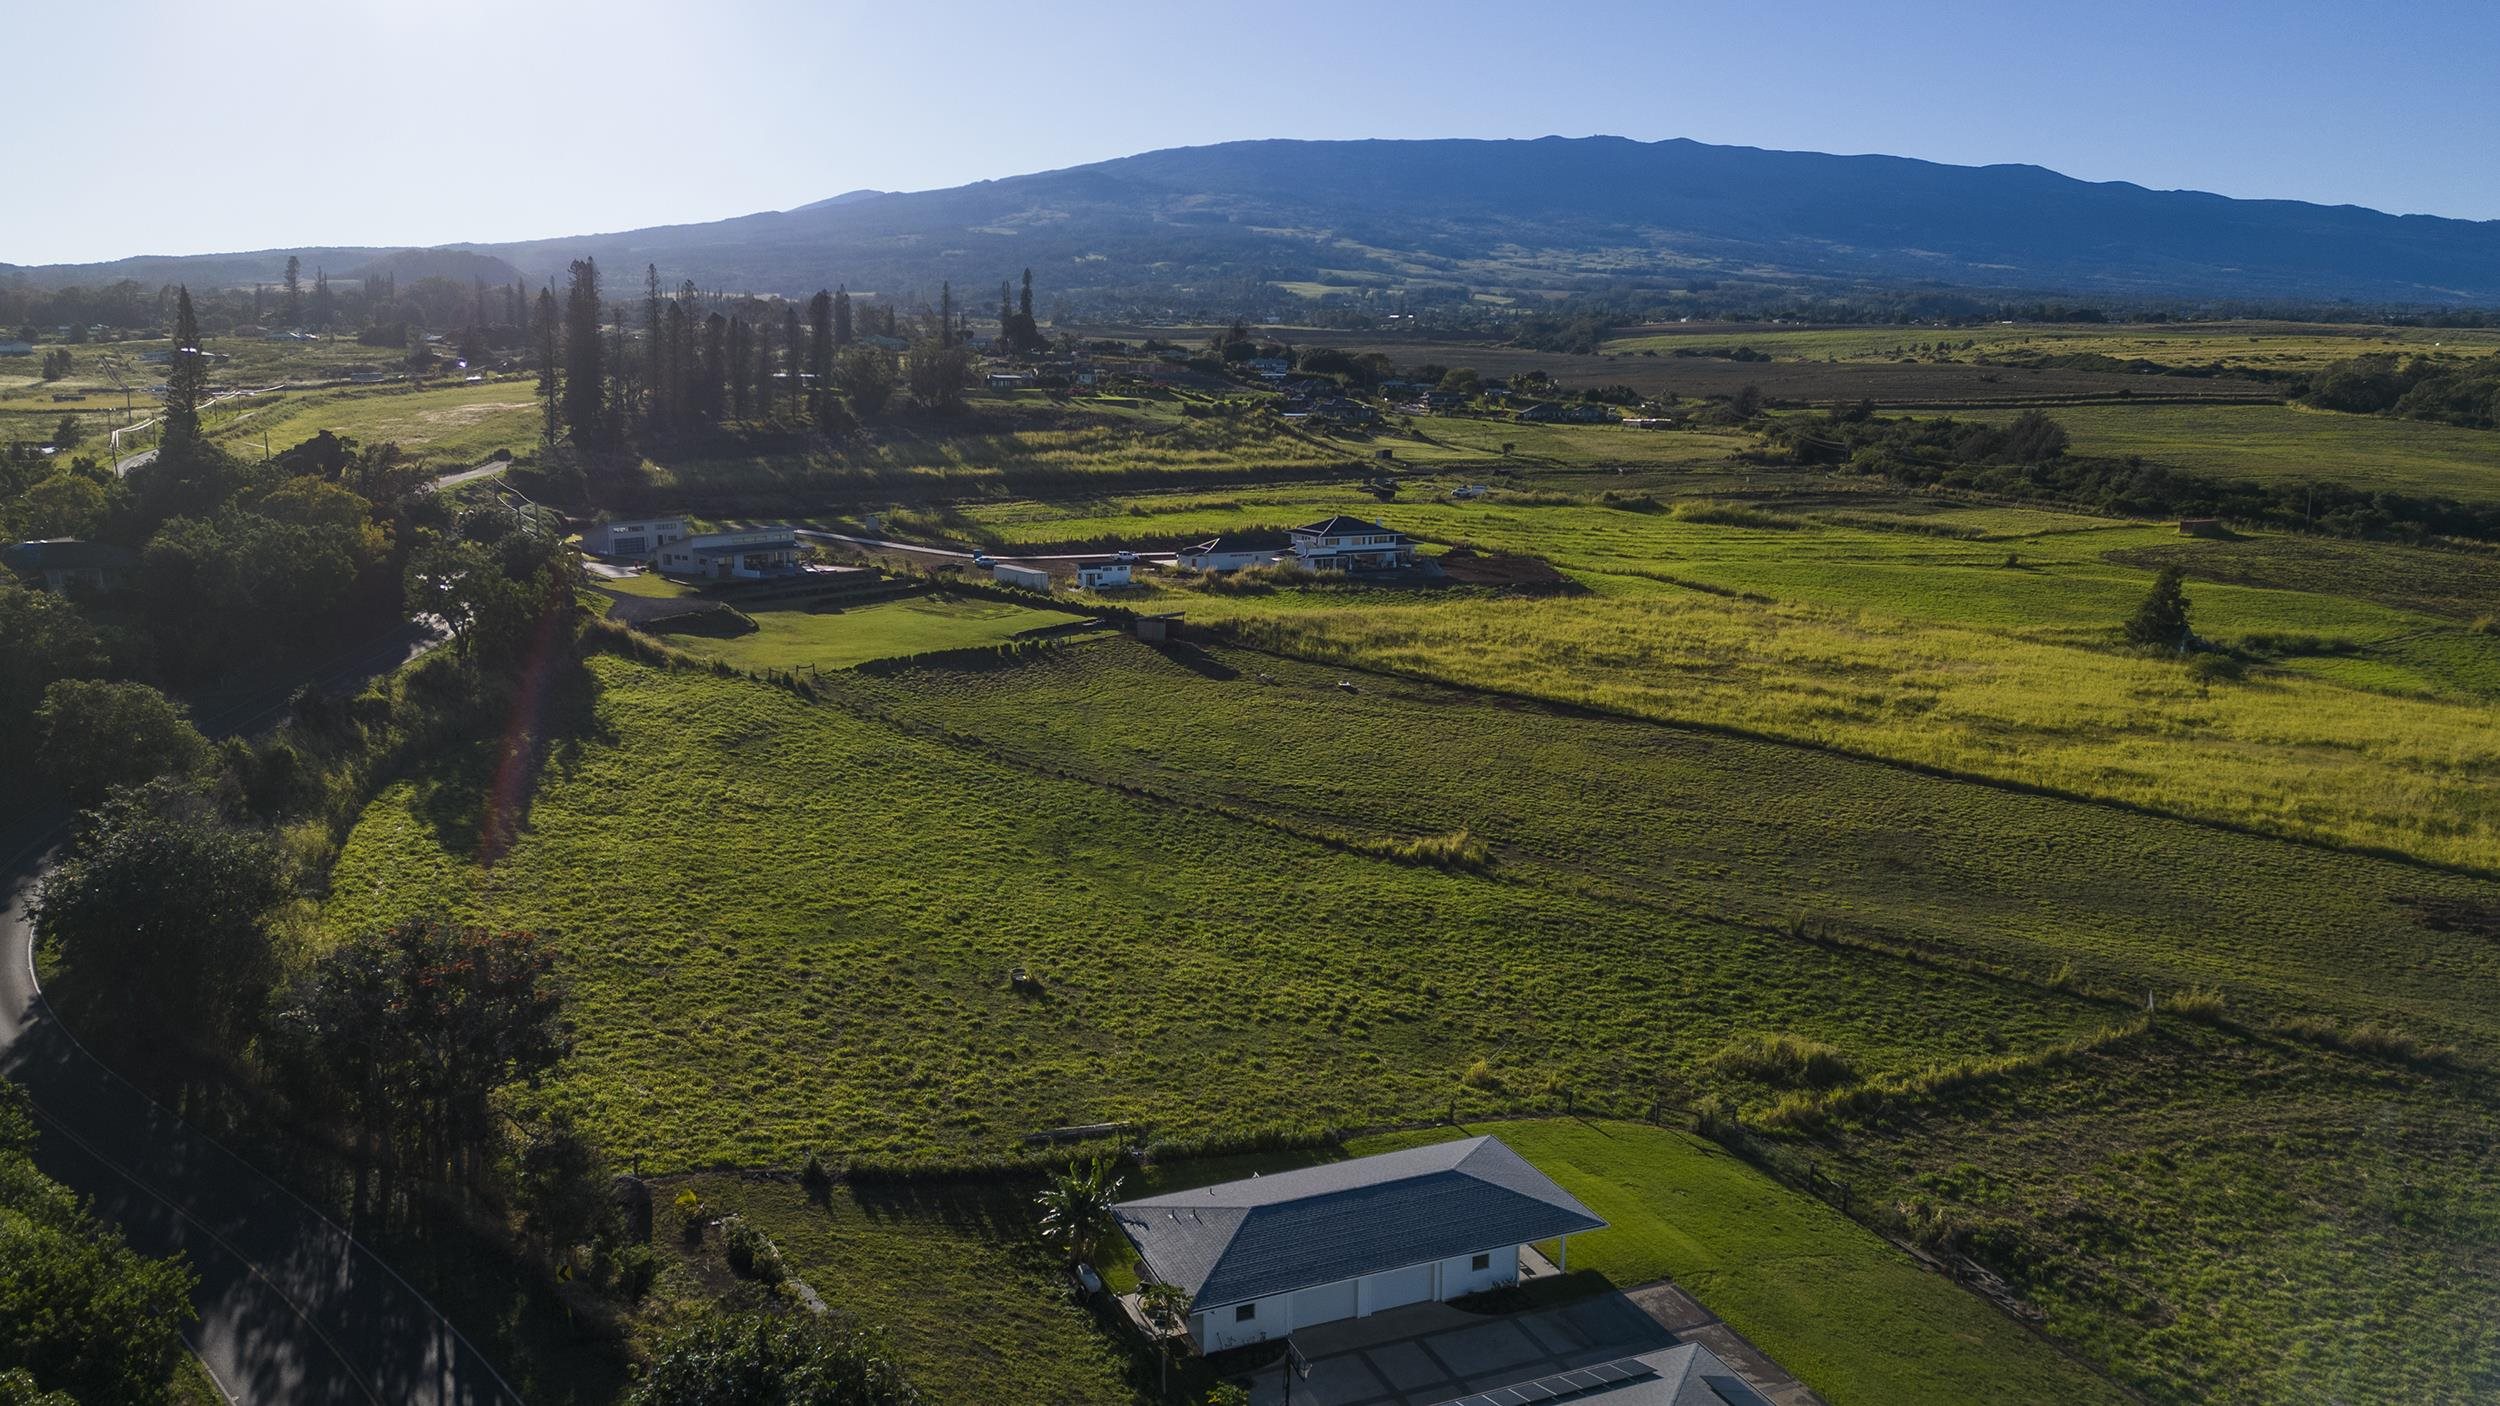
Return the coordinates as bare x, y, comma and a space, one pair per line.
1264, 1256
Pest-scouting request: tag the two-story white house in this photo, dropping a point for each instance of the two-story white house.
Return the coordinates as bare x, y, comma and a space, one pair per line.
638, 537
1350, 544
732, 556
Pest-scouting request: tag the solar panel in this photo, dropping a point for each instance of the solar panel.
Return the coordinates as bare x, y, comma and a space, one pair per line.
1562, 1385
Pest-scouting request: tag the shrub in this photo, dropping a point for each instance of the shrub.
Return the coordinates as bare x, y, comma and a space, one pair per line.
1480, 1075
1713, 511
2216, 668
636, 1267
689, 1209
1457, 850
2196, 1003
750, 1252
1787, 1061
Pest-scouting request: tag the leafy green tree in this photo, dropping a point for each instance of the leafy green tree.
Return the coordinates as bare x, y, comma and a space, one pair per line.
44, 639
161, 906
82, 1319
92, 736
865, 376
415, 1029
1076, 1206
756, 1360
2163, 617
939, 373
2034, 438
65, 505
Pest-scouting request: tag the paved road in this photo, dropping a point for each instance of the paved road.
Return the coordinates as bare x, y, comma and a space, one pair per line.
293, 1309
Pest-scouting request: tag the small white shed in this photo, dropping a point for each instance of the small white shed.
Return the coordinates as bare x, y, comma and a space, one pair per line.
1031, 578
1103, 575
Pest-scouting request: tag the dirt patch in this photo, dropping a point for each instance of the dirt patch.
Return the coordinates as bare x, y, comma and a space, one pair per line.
2467, 915
1468, 567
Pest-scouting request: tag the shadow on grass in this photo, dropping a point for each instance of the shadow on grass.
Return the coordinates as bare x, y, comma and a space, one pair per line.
477, 800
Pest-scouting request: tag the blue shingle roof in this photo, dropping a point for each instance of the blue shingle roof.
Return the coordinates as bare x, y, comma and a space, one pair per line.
1244, 1240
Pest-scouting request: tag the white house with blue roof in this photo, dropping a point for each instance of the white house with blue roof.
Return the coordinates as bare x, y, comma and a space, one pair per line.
1263, 1257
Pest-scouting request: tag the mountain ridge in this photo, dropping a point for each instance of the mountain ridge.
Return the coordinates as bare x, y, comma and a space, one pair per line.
1527, 218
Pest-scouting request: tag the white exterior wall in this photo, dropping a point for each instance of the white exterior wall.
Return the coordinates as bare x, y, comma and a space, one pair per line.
1217, 1329
1096, 577
1032, 578
1458, 1280
1225, 561
654, 532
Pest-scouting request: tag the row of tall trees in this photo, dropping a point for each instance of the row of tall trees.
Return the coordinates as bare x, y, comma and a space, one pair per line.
685, 361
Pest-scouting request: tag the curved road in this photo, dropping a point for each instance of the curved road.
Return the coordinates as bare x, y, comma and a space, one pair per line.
293, 1309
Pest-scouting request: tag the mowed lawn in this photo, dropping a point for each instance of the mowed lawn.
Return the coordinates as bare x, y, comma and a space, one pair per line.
1853, 1317
840, 638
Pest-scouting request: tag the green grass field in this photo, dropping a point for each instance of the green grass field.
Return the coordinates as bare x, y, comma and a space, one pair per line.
834, 892
2287, 444
1853, 1317
974, 1306
452, 426
838, 639
1864, 621
2255, 345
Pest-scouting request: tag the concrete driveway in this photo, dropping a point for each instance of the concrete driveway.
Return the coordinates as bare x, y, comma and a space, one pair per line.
1429, 1353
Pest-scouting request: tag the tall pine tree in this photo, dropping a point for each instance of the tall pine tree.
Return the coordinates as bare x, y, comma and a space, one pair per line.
841, 317
823, 336
585, 377
186, 379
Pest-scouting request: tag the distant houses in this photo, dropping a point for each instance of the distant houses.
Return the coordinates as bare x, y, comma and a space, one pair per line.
62, 565
732, 556
1579, 414
1344, 543
1221, 554
638, 537
1106, 573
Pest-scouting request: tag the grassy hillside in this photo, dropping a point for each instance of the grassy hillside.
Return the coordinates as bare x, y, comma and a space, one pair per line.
2283, 443
1983, 641
787, 924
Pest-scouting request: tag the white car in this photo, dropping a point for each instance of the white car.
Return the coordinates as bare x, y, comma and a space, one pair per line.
983, 559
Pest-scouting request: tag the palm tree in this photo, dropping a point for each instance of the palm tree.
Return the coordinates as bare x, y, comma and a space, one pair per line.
1076, 1206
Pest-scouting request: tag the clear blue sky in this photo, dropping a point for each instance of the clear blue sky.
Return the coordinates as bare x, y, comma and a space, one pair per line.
176, 126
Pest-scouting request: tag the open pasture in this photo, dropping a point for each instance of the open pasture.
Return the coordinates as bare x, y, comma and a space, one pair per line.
2288, 444
451, 426
835, 904
831, 894
2260, 346
1871, 624
804, 639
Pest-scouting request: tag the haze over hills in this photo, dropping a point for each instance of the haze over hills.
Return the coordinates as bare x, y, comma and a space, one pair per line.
1451, 220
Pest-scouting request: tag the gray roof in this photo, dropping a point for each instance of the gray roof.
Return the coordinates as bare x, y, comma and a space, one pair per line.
1247, 1239
1684, 1375
1343, 526
65, 554
1242, 542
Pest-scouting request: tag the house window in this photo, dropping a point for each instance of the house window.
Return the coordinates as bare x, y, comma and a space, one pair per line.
1481, 1262
1243, 1313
